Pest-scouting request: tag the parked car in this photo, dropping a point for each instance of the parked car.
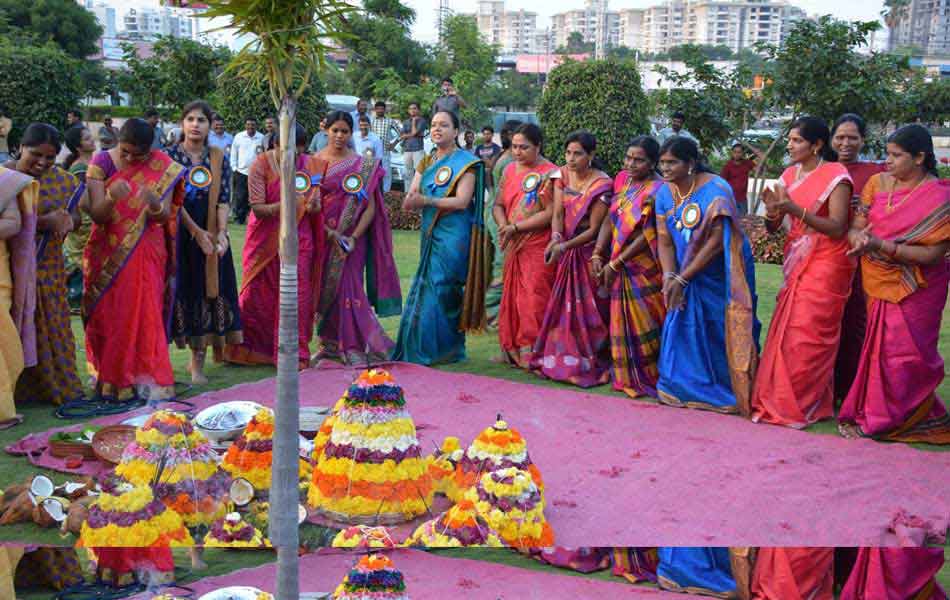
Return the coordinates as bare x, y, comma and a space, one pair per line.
341, 102
397, 163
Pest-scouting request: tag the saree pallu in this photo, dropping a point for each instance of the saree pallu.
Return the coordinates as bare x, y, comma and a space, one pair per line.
704, 571
636, 296
493, 294
260, 288
348, 327
17, 288
855, 317
709, 348
574, 342
527, 281
894, 394
73, 247
128, 274
453, 263
54, 378
795, 382
634, 564
793, 574
895, 574
583, 560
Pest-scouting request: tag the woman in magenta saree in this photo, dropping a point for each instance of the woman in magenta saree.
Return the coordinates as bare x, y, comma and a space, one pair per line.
359, 240
129, 266
903, 241
632, 271
895, 574
573, 344
258, 298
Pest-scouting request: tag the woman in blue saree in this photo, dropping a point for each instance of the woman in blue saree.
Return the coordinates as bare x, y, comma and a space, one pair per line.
709, 347
447, 297
696, 570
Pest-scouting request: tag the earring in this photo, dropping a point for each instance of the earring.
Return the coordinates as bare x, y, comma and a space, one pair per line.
814, 152
690, 170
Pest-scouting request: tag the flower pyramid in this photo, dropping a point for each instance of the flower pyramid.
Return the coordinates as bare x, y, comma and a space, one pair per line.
251, 455
131, 516
231, 531
497, 447
459, 526
374, 576
512, 504
363, 537
190, 483
323, 434
442, 466
371, 470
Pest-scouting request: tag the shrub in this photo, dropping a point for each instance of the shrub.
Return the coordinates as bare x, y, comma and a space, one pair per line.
604, 97
767, 247
96, 112
398, 218
238, 99
43, 83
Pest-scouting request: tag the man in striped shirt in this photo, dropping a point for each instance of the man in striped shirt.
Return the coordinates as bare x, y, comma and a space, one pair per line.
388, 131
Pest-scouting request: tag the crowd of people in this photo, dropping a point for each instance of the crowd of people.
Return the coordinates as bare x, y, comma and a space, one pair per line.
644, 279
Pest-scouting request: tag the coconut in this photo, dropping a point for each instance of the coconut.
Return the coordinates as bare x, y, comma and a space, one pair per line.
242, 492
42, 486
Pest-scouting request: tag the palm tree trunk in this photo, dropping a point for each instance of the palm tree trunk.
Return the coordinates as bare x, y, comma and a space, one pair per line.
284, 492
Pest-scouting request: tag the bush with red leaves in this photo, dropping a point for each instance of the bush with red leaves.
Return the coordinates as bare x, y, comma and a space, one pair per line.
766, 247
398, 218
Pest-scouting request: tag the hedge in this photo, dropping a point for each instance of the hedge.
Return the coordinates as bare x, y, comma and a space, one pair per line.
398, 218
97, 112
767, 247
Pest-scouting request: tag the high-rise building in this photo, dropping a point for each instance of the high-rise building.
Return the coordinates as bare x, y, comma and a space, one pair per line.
513, 31
923, 24
149, 23
105, 15
631, 32
595, 22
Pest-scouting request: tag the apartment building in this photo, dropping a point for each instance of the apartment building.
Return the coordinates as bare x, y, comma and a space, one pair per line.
594, 21
925, 24
149, 23
513, 31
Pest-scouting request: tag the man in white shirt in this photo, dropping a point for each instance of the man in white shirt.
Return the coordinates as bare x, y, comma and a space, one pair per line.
244, 150
366, 142
387, 130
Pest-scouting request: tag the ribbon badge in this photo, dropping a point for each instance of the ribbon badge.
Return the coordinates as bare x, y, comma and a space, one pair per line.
689, 219
303, 182
529, 185
354, 185
442, 177
199, 178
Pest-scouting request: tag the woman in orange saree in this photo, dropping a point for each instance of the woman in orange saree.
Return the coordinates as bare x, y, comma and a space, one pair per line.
522, 211
903, 240
795, 382
793, 574
129, 266
260, 287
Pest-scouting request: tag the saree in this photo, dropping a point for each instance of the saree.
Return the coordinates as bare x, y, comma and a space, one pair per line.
54, 378
704, 571
855, 312
527, 281
793, 574
709, 349
574, 342
895, 574
348, 328
634, 564
894, 393
260, 288
206, 309
636, 296
795, 382
493, 294
448, 291
17, 288
74, 245
129, 279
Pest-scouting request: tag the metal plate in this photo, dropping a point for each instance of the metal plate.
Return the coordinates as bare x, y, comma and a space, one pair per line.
237, 592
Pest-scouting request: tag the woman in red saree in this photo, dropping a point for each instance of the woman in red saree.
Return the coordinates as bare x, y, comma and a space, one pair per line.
895, 574
260, 287
574, 345
522, 211
632, 272
129, 265
793, 574
795, 382
903, 241
847, 139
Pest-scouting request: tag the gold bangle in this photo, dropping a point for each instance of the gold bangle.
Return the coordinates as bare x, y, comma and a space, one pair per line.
804, 212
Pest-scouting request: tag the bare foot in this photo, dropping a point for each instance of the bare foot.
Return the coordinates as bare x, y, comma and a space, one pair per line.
849, 431
498, 360
197, 563
197, 369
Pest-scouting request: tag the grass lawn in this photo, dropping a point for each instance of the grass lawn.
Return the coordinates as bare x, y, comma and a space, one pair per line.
480, 349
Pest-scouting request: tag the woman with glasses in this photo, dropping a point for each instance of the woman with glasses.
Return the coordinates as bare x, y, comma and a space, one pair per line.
709, 346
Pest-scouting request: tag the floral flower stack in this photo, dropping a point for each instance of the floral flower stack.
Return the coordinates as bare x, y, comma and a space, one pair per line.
373, 577
129, 516
372, 471
511, 503
250, 456
231, 531
363, 537
459, 526
497, 447
190, 483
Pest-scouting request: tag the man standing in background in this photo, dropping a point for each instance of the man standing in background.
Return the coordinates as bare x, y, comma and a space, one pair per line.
270, 126
361, 106
736, 173
108, 135
488, 151
449, 101
151, 116
387, 130
219, 138
74, 118
413, 146
366, 142
244, 149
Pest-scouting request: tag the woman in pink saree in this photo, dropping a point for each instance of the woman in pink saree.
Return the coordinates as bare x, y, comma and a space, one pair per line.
895, 574
573, 344
258, 299
358, 240
903, 240
795, 382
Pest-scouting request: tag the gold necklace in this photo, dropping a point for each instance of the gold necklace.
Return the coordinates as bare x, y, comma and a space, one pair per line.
628, 194
679, 200
890, 196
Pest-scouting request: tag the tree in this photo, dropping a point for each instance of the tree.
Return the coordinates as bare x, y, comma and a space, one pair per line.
63, 22
237, 99
291, 44
141, 79
392, 87
603, 96
469, 61
575, 45
514, 90
925, 100
46, 85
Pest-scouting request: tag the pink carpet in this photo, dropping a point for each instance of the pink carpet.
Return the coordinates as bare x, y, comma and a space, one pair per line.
439, 578
621, 472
